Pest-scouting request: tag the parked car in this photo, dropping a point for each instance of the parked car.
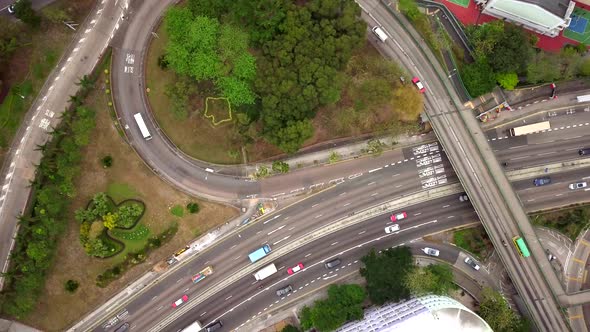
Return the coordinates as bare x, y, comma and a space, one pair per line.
418, 84
295, 269
392, 228
10, 7
431, 252
398, 216
471, 262
578, 185
333, 263
180, 301
463, 197
542, 181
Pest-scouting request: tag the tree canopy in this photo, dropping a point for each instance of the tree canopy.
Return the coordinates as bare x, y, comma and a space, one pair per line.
432, 279
301, 66
344, 303
494, 309
385, 274
202, 48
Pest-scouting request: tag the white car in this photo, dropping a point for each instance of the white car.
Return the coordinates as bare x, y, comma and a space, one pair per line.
392, 228
578, 185
431, 252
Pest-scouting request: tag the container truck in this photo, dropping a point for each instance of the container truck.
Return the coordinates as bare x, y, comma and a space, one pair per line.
259, 253
265, 272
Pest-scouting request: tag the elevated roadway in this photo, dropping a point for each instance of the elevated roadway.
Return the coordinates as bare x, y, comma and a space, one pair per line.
473, 160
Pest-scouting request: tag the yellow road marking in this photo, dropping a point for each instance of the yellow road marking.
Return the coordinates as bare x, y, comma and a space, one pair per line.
585, 243
578, 260
574, 279
576, 317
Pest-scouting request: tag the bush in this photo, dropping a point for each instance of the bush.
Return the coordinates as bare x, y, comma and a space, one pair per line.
71, 286
280, 167
107, 161
193, 207
177, 210
163, 62
290, 328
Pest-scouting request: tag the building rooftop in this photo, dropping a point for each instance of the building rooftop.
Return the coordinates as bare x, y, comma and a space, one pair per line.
427, 313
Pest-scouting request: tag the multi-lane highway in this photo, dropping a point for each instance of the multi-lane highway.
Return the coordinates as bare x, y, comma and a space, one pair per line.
367, 181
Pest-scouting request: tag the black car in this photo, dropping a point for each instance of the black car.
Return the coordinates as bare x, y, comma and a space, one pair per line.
214, 326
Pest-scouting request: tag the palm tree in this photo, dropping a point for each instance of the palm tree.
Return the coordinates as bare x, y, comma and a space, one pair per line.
86, 83
76, 100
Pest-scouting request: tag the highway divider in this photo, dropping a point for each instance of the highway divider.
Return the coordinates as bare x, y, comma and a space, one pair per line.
340, 224
566, 166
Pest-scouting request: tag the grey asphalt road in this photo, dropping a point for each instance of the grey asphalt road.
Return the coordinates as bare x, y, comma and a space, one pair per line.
291, 224
482, 176
420, 221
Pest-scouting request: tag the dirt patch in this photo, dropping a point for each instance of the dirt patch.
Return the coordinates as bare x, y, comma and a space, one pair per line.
58, 309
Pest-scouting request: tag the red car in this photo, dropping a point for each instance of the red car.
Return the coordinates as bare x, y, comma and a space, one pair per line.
180, 301
418, 84
398, 216
295, 269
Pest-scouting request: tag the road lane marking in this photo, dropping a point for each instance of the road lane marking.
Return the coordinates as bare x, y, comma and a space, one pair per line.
371, 183
375, 169
334, 243
319, 215
347, 204
229, 297
374, 194
315, 205
578, 260
445, 206
344, 193
278, 229
417, 214
307, 255
363, 232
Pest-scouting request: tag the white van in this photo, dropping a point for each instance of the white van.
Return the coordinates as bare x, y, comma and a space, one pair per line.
379, 33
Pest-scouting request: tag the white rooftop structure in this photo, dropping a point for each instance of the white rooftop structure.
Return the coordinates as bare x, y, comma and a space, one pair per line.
427, 313
547, 17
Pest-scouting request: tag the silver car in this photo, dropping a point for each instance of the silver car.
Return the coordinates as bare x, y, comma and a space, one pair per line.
578, 185
471, 262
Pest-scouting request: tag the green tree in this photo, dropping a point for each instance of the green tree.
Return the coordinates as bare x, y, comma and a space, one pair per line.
292, 137
494, 309
179, 93
507, 81
192, 207
128, 214
280, 167
479, 78
290, 328
55, 14
384, 273
71, 286
543, 68
107, 161
344, 303
23, 10
433, 279
585, 67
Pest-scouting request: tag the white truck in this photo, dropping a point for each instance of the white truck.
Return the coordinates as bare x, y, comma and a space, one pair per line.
194, 327
265, 272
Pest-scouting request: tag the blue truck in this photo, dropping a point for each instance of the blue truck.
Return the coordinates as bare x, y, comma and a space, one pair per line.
259, 253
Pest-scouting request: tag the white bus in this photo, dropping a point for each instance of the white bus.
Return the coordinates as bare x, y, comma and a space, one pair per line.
142, 127
529, 129
266, 271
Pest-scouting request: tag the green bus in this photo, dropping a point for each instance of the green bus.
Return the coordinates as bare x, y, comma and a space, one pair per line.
521, 246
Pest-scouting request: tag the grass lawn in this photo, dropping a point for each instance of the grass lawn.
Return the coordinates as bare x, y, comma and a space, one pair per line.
373, 101
30, 65
474, 240
177, 210
127, 178
571, 221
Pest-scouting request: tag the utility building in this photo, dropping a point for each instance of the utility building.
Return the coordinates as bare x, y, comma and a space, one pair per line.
547, 17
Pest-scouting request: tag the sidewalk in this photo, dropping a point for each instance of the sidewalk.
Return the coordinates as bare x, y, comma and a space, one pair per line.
527, 109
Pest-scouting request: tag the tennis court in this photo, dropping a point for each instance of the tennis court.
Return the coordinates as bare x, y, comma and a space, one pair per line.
462, 3
578, 29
